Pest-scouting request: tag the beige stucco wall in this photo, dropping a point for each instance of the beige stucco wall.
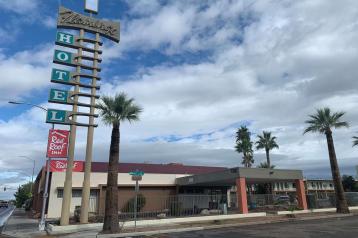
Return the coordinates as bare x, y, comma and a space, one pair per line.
58, 178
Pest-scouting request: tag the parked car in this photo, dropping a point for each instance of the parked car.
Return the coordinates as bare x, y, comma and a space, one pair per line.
283, 199
4, 204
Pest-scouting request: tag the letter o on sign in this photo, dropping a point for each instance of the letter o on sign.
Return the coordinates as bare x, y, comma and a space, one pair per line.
62, 56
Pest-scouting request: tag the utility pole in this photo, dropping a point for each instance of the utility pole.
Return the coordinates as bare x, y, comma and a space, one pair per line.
33, 169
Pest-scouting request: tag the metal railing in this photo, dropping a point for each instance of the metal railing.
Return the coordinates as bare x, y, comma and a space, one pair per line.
267, 202
328, 200
93, 205
172, 206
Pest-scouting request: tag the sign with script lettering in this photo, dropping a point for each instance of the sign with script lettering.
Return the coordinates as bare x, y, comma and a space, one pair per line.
57, 144
61, 165
73, 20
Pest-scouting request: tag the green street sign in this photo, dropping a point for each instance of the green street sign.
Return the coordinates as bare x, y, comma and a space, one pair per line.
60, 96
136, 173
57, 116
65, 38
63, 57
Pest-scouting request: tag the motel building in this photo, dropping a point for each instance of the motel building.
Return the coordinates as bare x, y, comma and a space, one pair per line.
179, 190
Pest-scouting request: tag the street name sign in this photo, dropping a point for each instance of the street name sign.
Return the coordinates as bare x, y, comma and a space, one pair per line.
136, 175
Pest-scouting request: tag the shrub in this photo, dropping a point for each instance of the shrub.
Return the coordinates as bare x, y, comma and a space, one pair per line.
129, 206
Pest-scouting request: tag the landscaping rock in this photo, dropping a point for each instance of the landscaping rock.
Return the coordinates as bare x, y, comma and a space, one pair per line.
161, 215
205, 212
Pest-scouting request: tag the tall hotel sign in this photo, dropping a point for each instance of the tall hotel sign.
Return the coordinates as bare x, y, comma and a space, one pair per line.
84, 76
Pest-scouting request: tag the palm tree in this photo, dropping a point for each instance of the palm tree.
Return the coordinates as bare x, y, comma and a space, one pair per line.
355, 141
267, 186
268, 143
244, 146
323, 122
264, 165
114, 110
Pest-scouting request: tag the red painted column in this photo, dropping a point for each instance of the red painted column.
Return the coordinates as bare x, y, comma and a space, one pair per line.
241, 195
301, 194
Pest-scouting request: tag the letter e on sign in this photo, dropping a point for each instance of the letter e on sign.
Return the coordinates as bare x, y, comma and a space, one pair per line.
57, 143
58, 95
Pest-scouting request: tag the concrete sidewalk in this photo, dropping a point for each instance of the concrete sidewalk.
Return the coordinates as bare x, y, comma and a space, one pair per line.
20, 225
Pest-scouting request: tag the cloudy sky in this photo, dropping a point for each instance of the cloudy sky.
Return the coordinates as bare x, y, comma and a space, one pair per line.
199, 69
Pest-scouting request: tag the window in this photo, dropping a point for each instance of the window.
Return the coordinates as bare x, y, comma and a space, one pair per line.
59, 193
286, 185
293, 185
77, 193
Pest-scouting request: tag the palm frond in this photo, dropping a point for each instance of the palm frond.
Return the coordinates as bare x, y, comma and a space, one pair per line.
355, 141
324, 120
118, 108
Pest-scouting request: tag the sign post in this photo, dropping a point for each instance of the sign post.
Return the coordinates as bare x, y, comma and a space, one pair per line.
136, 176
68, 19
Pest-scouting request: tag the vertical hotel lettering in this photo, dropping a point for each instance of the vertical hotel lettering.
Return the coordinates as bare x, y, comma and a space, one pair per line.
80, 71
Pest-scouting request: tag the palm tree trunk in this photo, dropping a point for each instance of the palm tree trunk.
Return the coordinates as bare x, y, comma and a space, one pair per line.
268, 158
341, 202
111, 222
269, 185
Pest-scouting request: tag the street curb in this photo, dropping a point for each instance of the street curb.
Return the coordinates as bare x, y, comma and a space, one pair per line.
200, 228
60, 230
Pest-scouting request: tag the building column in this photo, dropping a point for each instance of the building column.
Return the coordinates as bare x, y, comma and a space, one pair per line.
301, 195
241, 195
228, 194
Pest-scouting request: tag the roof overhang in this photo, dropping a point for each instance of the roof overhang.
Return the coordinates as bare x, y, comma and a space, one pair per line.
228, 177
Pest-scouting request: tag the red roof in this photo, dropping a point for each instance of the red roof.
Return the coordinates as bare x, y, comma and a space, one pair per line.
172, 168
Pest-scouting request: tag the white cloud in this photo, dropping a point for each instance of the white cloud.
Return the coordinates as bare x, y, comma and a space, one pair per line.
19, 6
23, 72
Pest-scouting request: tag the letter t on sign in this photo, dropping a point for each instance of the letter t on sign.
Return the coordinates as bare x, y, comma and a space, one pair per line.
60, 75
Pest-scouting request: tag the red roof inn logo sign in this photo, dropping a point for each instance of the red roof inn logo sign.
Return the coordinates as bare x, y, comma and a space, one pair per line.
61, 166
57, 143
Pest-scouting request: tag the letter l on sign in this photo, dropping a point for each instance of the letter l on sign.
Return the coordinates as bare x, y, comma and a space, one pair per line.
56, 115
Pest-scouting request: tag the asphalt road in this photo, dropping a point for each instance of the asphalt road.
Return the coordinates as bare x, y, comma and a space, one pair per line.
338, 227
4, 216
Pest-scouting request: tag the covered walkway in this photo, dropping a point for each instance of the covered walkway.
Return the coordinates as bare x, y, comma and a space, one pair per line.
240, 177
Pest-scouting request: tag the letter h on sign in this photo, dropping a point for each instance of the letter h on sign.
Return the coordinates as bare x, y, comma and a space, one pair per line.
65, 38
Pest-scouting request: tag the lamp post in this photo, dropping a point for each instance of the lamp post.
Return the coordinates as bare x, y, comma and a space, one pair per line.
48, 160
33, 169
